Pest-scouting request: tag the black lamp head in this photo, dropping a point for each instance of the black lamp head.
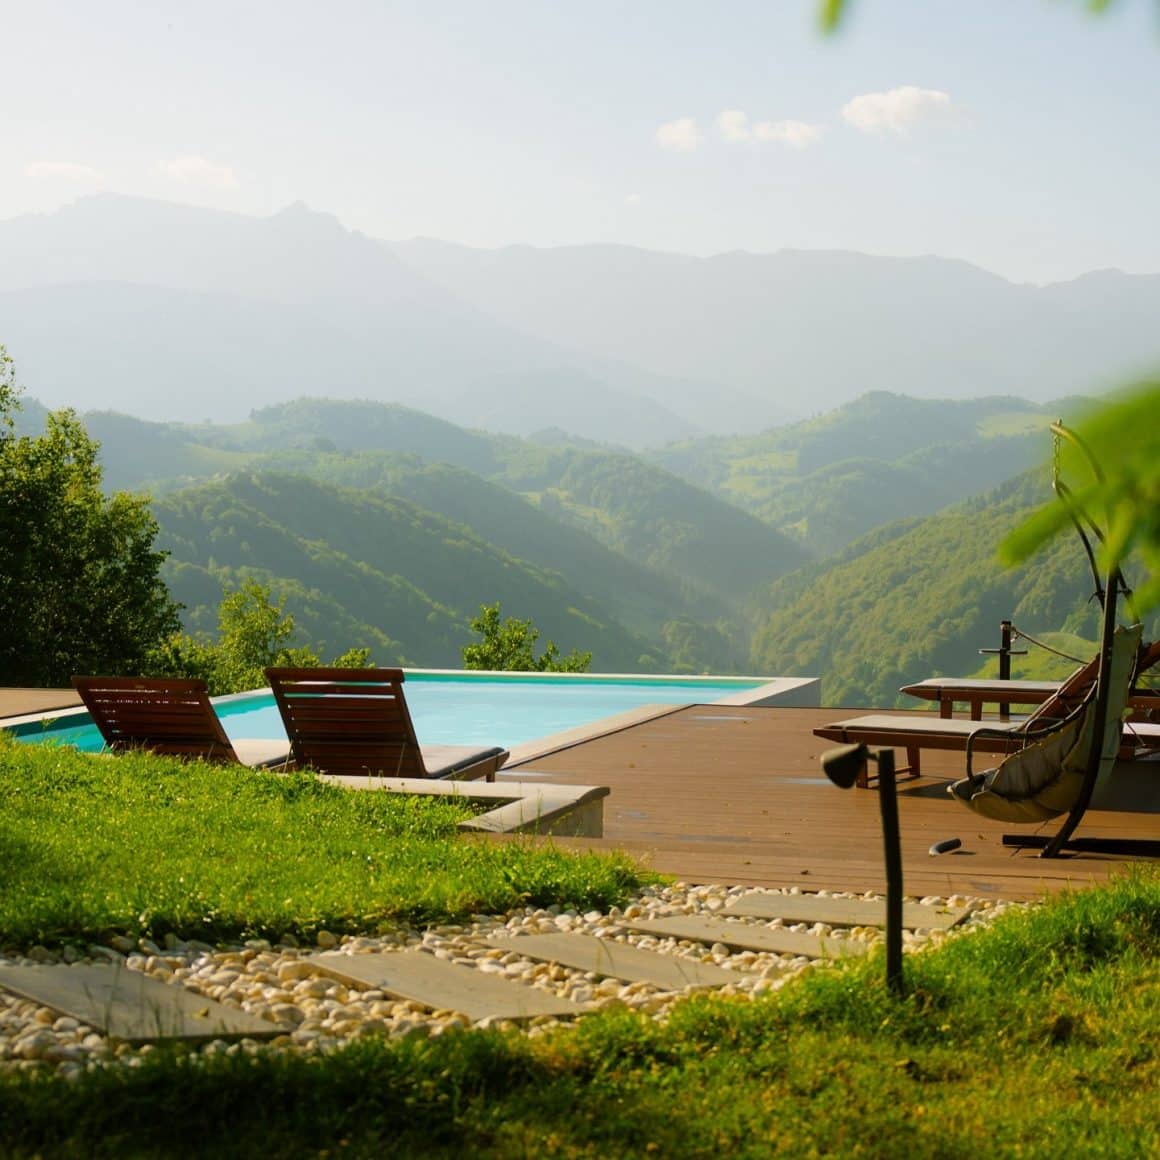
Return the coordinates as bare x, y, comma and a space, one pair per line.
844, 763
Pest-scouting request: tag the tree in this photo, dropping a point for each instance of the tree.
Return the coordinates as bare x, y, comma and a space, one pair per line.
253, 634
80, 583
510, 647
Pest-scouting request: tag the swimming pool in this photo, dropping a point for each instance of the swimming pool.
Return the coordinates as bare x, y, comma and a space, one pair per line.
462, 708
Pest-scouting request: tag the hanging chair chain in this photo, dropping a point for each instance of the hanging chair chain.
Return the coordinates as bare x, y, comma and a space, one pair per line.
1016, 632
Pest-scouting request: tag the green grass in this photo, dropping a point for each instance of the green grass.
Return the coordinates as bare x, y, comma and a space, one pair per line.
94, 846
1039, 1036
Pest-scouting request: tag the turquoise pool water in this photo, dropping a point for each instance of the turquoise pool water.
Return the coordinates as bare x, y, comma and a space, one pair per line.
459, 709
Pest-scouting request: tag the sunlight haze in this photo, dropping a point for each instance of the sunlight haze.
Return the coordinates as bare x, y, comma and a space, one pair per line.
1019, 137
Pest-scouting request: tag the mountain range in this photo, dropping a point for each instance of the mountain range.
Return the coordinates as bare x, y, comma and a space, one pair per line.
172, 312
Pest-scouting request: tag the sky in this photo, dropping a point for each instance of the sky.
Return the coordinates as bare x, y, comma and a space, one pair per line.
1020, 135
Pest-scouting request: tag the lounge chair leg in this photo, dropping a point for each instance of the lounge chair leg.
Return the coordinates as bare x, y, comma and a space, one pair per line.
912, 769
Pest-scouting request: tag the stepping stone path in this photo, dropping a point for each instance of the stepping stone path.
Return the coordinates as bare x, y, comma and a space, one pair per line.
843, 911
440, 985
532, 966
614, 960
747, 937
131, 1007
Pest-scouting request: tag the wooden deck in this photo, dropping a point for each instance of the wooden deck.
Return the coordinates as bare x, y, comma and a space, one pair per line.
18, 702
737, 795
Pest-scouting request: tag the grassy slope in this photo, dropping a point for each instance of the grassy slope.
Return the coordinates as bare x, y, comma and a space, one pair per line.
1035, 1038
142, 845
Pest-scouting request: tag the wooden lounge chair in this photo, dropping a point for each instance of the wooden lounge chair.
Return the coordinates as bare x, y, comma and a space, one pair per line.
355, 722
171, 716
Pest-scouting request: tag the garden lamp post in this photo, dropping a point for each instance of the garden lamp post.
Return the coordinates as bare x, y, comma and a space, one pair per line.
842, 766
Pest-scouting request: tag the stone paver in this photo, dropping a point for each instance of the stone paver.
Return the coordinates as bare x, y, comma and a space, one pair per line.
440, 985
750, 937
132, 1007
617, 961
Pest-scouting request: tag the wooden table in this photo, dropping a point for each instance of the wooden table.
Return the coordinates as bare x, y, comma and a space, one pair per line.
977, 693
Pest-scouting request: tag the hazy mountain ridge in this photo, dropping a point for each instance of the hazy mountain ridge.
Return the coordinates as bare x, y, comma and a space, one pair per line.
813, 329
174, 312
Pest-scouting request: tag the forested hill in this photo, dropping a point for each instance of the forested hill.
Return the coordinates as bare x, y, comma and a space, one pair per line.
883, 457
608, 551
359, 568
652, 516
919, 598
640, 597
716, 552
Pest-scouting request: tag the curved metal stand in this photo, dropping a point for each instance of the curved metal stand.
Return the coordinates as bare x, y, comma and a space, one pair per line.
1107, 591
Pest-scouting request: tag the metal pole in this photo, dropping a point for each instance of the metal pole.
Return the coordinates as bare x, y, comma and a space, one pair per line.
888, 803
1004, 664
1005, 653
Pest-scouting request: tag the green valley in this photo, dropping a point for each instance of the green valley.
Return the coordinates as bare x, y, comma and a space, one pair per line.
858, 546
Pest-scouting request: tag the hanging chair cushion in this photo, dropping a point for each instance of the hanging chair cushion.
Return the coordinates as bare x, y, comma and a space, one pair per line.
1044, 779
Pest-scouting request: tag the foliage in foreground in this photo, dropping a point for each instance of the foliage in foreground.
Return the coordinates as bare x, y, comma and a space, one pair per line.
143, 845
1123, 440
1037, 1037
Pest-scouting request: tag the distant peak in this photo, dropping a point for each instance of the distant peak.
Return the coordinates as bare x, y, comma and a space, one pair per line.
295, 209
299, 215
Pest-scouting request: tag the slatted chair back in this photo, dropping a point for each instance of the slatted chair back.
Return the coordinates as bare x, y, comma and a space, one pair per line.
348, 721
166, 715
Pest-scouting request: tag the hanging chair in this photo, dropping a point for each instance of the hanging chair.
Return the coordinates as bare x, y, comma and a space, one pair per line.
1047, 776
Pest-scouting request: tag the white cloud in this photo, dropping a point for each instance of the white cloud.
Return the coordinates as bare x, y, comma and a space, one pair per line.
199, 171
681, 135
796, 134
64, 171
733, 125
632, 199
897, 110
